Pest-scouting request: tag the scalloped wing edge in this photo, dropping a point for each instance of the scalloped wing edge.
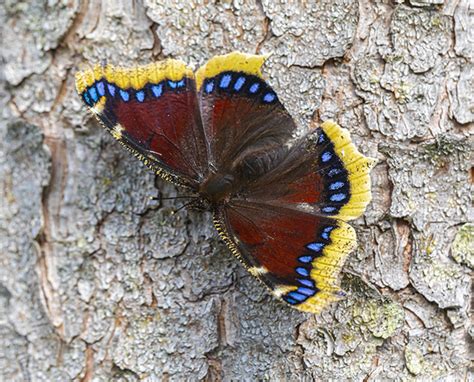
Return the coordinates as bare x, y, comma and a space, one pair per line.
358, 167
236, 61
135, 77
327, 268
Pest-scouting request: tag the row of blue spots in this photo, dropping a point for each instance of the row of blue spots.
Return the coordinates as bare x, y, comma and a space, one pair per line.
94, 92
254, 85
305, 291
316, 246
308, 287
339, 187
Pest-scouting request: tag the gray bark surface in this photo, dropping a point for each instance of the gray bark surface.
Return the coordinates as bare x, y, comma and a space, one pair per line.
99, 282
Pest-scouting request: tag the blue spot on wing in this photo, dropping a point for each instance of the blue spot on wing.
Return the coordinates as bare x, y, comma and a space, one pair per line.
338, 197
302, 271
239, 83
305, 259
176, 84
306, 282
290, 300
297, 296
254, 88
328, 209
225, 81
87, 98
326, 156
326, 232
315, 246
306, 291
336, 186
269, 97
157, 90
101, 88
334, 171
209, 87
140, 96
93, 94
125, 96
111, 89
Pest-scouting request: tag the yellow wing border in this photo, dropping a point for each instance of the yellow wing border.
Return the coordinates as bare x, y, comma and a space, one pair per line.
135, 77
358, 168
249, 64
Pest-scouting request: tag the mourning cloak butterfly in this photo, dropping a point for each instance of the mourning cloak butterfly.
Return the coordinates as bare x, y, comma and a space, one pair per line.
280, 203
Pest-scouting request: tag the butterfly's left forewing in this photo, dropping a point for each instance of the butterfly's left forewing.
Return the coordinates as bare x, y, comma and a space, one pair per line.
154, 111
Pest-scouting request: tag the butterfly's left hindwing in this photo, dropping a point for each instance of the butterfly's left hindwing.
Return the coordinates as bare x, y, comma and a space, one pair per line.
243, 118
153, 110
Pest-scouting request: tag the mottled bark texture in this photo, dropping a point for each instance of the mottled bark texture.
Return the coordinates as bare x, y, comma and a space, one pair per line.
100, 282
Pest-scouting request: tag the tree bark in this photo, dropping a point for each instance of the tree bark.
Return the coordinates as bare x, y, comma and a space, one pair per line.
100, 282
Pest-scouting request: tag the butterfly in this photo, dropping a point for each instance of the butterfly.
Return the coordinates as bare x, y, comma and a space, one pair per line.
280, 203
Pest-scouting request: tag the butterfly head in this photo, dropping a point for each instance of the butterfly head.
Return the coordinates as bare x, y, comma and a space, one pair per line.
217, 188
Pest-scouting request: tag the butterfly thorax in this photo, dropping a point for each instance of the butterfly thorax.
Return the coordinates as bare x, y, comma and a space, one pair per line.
217, 187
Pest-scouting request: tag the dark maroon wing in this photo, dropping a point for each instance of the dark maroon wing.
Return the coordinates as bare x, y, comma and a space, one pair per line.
242, 116
297, 255
322, 172
153, 110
